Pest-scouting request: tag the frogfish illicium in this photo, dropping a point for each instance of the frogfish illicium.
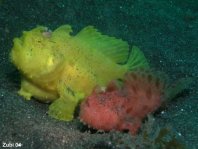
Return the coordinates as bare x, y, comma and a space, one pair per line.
63, 69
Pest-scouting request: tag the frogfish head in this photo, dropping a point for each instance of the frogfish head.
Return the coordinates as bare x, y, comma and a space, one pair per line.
34, 53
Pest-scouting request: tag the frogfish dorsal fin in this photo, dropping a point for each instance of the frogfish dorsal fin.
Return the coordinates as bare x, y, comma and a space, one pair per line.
115, 49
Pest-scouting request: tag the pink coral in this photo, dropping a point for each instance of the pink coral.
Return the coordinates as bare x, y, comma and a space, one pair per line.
123, 108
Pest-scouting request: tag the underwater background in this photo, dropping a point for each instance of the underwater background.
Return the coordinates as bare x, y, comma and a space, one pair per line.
165, 30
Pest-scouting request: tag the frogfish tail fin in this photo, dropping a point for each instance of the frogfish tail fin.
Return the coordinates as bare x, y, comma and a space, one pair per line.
136, 59
173, 90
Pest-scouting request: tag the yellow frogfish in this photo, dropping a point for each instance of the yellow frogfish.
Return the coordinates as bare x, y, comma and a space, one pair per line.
63, 69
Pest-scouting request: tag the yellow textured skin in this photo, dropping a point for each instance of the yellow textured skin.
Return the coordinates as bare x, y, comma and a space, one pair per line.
63, 69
